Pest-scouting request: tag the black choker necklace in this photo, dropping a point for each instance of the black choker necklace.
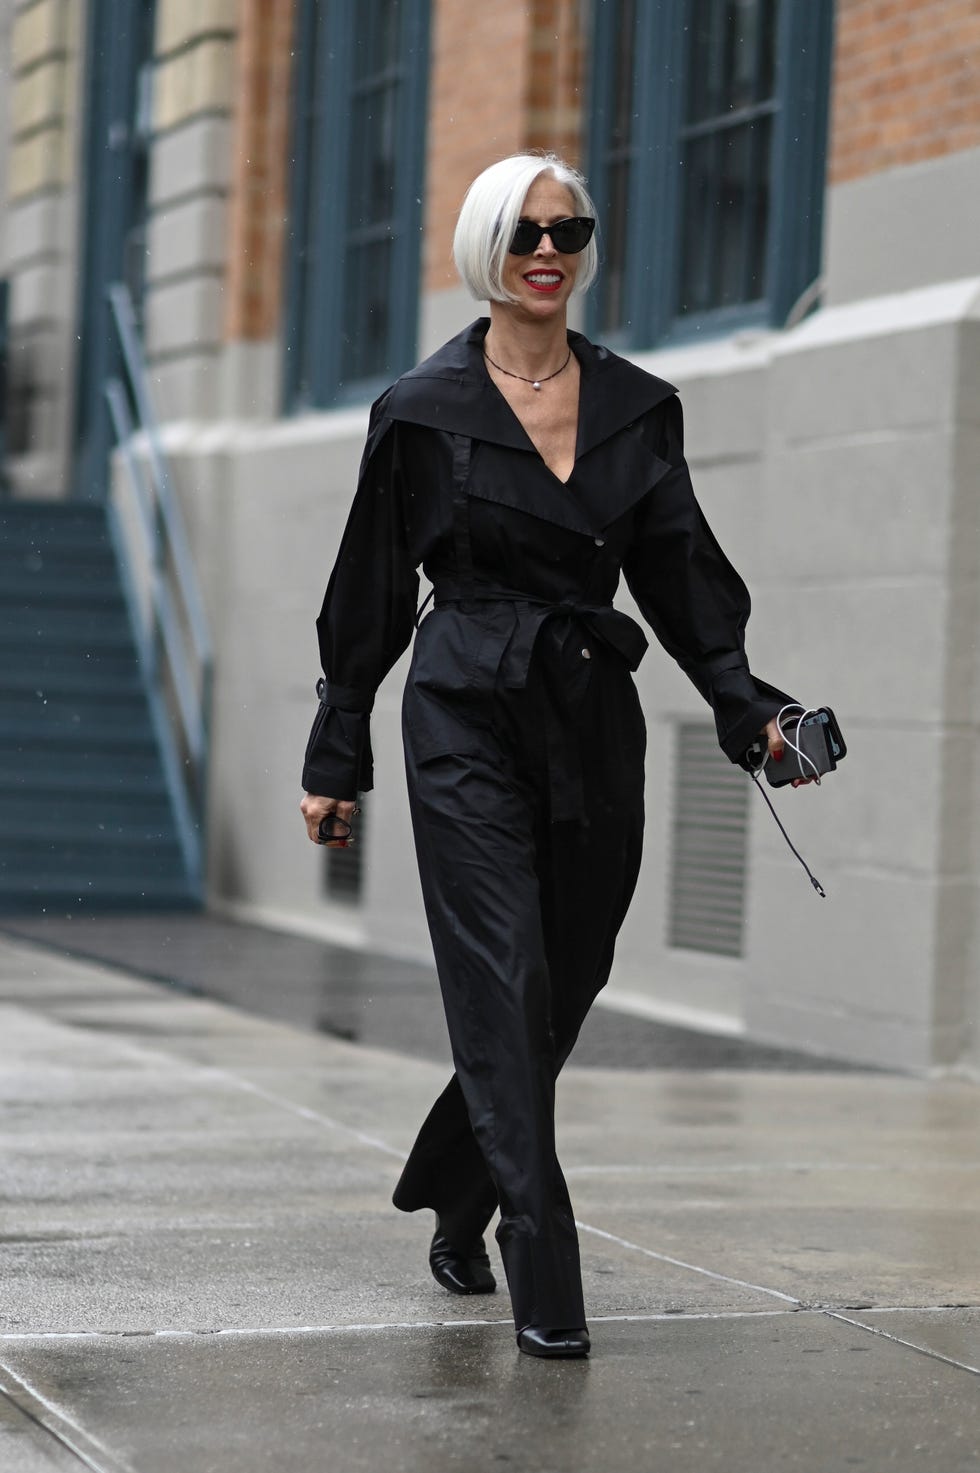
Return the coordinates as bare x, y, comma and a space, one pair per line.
534, 382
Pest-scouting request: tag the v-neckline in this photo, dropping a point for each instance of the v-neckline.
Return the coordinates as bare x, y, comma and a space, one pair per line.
520, 423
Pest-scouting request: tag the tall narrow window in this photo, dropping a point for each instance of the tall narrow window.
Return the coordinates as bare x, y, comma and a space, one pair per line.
355, 218
707, 155
725, 154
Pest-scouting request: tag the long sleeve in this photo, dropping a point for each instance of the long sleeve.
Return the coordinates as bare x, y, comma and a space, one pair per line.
695, 601
366, 620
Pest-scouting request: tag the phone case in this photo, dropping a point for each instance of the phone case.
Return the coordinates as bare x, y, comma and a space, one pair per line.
819, 737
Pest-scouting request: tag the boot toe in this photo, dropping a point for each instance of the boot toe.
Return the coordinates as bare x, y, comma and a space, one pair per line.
461, 1271
553, 1344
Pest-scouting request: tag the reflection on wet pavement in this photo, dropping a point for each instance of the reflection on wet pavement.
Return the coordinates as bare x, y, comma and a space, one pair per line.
361, 995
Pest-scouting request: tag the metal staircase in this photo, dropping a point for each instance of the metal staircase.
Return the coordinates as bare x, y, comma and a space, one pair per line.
105, 680
87, 818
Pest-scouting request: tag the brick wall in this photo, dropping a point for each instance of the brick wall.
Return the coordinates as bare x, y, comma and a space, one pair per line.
504, 78
257, 206
906, 83
555, 78
477, 92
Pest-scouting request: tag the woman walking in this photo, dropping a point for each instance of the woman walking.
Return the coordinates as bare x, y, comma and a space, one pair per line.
524, 469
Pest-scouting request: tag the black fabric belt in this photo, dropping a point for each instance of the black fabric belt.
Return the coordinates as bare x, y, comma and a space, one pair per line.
614, 628
606, 624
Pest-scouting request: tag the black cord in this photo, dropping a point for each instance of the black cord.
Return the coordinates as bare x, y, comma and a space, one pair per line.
813, 879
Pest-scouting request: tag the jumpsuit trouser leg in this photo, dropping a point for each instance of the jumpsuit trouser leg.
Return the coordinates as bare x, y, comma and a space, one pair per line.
523, 916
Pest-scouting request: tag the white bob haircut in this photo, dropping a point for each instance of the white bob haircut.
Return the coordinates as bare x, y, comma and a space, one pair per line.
489, 216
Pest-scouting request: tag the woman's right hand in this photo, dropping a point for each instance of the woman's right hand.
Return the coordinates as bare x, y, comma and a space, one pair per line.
315, 809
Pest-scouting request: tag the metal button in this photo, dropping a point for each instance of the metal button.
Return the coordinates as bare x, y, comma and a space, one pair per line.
600, 542
586, 654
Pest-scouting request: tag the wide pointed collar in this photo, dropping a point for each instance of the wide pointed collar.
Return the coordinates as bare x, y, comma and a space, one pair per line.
452, 391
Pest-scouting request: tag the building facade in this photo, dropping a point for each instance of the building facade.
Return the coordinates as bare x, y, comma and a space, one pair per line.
789, 197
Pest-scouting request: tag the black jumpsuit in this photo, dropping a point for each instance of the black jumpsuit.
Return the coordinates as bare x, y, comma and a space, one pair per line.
524, 741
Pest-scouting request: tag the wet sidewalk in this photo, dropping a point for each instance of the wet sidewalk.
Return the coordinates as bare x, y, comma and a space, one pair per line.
201, 1269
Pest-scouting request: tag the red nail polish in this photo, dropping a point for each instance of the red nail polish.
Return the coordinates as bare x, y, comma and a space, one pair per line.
778, 756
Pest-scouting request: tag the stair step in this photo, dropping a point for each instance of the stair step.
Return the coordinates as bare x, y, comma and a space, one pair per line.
131, 848
123, 774
42, 560
41, 622
95, 736
58, 591
81, 709
91, 683
111, 664
78, 864
111, 812
40, 538
50, 508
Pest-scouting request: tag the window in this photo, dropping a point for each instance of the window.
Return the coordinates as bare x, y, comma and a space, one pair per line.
707, 161
355, 217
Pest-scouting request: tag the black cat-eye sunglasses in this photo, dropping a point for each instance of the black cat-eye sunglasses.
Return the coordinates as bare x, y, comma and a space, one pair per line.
567, 236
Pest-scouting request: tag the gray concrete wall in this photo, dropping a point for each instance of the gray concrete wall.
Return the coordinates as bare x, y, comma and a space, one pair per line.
904, 228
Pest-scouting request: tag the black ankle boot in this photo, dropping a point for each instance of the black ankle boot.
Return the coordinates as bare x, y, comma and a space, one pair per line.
461, 1270
536, 1340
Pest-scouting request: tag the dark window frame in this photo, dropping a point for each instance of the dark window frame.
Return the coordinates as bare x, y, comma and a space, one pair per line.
319, 224
653, 214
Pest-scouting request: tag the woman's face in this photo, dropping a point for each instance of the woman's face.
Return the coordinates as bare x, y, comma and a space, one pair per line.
542, 282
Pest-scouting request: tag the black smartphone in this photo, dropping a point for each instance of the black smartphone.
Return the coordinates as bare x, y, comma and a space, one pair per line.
818, 736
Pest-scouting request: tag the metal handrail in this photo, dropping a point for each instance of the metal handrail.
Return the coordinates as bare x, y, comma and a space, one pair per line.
168, 606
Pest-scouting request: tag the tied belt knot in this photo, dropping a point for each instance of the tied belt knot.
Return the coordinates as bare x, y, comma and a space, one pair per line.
606, 624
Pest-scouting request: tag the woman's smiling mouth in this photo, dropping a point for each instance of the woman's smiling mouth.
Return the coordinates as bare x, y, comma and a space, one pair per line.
544, 281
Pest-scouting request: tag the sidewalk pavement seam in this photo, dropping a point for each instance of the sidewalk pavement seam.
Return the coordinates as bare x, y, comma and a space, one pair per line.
708, 1273
760, 1168
342, 1328
56, 1423
303, 1111
284, 1331
948, 1360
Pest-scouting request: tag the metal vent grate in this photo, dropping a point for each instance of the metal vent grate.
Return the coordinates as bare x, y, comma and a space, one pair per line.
707, 882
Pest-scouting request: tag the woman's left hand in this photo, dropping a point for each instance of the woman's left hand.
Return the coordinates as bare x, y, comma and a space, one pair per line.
777, 747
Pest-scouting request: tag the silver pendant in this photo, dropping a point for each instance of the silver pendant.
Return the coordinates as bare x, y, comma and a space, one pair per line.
535, 386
